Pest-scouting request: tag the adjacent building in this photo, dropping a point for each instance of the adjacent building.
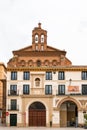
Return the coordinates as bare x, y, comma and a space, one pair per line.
2, 93
43, 87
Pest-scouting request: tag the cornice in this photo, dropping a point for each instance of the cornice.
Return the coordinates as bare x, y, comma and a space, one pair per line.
38, 53
45, 68
37, 96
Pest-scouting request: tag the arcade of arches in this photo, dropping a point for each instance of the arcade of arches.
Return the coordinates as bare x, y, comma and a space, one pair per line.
68, 114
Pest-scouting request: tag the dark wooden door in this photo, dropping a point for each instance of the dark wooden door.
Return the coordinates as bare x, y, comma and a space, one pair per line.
13, 119
37, 117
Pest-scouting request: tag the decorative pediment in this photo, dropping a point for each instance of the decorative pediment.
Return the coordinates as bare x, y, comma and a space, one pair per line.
49, 49
26, 49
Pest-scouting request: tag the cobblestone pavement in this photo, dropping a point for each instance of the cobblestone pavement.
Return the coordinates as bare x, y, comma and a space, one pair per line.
39, 128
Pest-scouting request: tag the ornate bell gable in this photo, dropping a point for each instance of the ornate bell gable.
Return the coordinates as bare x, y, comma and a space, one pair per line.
39, 39
39, 53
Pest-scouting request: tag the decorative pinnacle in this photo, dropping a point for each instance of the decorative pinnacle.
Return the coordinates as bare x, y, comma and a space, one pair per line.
39, 25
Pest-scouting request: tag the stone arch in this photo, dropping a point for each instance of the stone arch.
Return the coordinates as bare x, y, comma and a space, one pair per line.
38, 62
36, 101
54, 62
37, 112
22, 63
46, 62
39, 105
30, 63
68, 99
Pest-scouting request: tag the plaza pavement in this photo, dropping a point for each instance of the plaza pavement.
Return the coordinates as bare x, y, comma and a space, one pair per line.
39, 128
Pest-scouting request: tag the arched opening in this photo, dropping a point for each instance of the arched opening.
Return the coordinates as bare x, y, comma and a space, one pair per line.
38, 63
42, 38
37, 114
68, 114
37, 82
36, 38
30, 63
46, 63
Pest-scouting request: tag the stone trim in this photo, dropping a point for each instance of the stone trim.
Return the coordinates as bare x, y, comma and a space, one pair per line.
68, 99
45, 68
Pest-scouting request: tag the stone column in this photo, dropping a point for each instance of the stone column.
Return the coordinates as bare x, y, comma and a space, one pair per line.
80, 118
56, 119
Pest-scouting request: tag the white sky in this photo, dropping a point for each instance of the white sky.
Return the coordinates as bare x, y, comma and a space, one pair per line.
65, 21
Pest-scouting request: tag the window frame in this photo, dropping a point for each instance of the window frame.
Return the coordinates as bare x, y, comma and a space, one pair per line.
61, 89
84, 75
26, 89
13, 104
84, 91
49, 75
13, 89
61, 75
48, 89
14, 75
26, 75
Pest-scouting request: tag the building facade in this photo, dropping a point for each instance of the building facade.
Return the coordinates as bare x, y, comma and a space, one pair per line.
43, 87
2, 93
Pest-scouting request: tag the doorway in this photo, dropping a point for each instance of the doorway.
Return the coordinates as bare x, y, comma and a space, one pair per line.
68, 114
13, 119
37, 114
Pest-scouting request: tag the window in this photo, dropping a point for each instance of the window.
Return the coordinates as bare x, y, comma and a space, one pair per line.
84, 89
61, 75
48, 89
37, 82
26, 75
61, 89
84, 75
13, 89
13, 104
48, 75
26, 89
14, 75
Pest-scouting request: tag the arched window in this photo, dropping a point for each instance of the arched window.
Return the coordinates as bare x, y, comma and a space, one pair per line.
30, 63
36, 38
42, 38
54, 62
37, 82
38, 63
46, 63
22, 62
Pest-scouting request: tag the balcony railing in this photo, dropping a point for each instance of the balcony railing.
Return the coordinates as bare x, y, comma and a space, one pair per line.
13, 107
72, 94
13, 93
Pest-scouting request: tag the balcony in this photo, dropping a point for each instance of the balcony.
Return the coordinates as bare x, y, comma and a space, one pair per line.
13, 107
13, 93
69, 94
